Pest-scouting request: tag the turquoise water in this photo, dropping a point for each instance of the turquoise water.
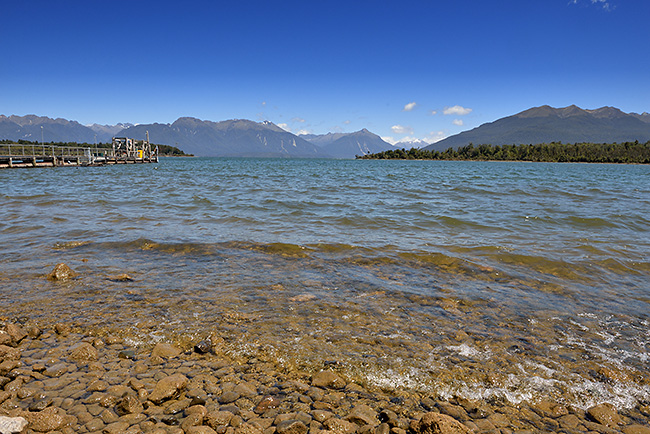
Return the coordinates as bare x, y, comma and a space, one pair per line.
511, 281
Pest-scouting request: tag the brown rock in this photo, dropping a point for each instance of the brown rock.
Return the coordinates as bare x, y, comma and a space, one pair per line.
83, 352
228, 397
16, 332
197, 409
121, 278
5, 338
499, 420
166, 351
116, 428
8, 366
436, 423
95, 424
62, 329
321, 415
363, 415
268, 402
168, 388
382, 428
605, 414
245, 389
9, 353
50, 419
636, 429
4, 396
174, 407
61, 272
570, 421
340, 426
291, 427
327, 379
194, 419
129, 404
56, 370
34, 332
248, 428
97, 386
455, 411
200, 430
218, 418
550, 409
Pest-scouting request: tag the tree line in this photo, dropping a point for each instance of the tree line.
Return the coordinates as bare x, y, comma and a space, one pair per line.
627, 152
163, 150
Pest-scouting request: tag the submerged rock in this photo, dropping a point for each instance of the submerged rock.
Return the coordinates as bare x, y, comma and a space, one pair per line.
129, 404
62, 272
291, 427
605, 414
16, 332
327, 379
49, 419
121, 278
168, 388
166, 351
203, 347
83, 352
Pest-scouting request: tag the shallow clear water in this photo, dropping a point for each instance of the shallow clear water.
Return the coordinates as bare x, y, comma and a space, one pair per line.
507, 281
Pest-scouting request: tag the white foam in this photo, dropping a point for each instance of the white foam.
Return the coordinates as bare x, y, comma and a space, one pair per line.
467, 351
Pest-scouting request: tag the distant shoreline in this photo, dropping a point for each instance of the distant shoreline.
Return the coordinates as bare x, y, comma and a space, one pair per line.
614, 153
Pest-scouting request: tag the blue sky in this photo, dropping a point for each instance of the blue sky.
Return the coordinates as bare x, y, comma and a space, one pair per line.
407, 69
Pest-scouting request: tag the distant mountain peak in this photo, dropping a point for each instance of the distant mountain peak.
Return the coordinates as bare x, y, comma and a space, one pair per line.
547, 124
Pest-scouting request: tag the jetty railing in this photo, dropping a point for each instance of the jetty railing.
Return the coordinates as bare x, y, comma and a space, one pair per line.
44, 155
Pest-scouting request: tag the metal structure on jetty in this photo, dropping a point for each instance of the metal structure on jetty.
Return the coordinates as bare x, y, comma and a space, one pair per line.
123, 151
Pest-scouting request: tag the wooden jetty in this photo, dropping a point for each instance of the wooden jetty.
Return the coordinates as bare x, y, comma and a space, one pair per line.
123, 151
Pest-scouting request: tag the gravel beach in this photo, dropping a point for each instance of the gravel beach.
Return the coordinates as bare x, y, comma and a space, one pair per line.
61, 379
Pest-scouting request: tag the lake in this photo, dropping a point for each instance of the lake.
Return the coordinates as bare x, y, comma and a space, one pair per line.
487, 280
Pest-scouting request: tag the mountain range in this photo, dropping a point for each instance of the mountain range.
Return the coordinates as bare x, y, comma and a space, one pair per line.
348, 145
241, 137
546, 124
237, 137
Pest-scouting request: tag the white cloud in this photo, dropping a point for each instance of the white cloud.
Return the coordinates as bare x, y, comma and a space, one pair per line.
399, 129
457, 110
389, 139
263, 103
606, 4
347, 122
301, 120
285, 127
435, 136
433, 112
458, 122
303, 132
410, 106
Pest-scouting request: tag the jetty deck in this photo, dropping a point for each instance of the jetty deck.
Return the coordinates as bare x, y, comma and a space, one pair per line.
123, 151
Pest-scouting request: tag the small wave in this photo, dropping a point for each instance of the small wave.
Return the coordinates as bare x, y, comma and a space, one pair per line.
590, 222
201, 200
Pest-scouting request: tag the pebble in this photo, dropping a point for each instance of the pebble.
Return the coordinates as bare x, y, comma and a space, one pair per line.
605, 414
11, 425
61, 272
327, 379
168, 387
166, 351
436, 423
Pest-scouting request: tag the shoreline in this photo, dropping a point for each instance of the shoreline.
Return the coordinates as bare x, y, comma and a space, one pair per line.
68, 380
